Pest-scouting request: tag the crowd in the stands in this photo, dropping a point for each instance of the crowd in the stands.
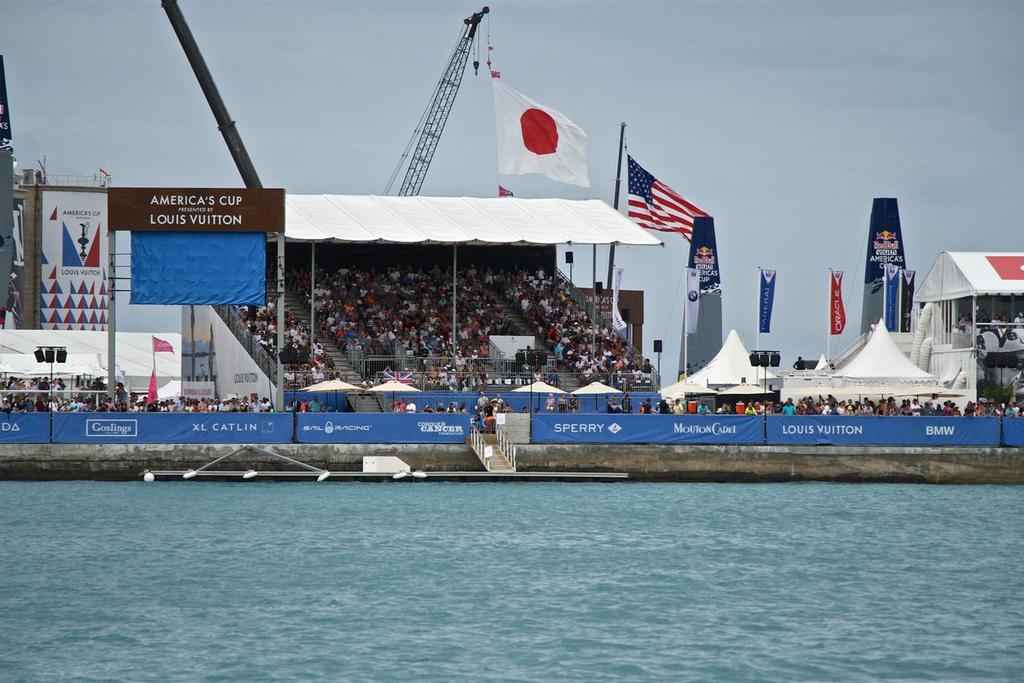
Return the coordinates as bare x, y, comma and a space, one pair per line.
546, 303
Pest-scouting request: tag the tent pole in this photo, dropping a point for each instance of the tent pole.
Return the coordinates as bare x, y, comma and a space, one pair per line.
455, 270
312, 303
593, 317
111, 313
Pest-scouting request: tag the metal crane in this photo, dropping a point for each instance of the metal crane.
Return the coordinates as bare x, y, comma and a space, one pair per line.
431, 124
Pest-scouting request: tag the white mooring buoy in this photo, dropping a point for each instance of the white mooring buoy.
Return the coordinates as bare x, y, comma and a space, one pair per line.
148, 476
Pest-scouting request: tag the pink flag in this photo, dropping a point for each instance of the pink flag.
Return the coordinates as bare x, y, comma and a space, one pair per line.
151, 394
161, 346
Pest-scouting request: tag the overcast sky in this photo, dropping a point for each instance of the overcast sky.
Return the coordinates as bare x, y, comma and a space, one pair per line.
782, 119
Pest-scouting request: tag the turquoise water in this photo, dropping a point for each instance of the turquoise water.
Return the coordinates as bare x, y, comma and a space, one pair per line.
539, 582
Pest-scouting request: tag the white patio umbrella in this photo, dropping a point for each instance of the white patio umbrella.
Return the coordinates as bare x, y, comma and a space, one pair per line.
392, 385
538, 388
596, 389
685, 388
332, 385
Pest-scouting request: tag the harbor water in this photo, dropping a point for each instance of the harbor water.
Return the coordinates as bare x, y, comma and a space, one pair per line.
466, 582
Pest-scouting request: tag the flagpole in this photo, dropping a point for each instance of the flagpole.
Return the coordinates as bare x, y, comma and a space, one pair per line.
757, 313
686, 334
615, 200
828, 319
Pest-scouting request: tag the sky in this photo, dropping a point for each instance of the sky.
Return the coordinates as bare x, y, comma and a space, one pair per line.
781, 119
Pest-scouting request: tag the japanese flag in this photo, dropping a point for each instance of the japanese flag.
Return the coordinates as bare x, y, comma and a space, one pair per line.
533, 138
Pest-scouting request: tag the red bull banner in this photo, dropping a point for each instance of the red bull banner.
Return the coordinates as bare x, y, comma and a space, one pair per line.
885, 241
704, 254
836, 310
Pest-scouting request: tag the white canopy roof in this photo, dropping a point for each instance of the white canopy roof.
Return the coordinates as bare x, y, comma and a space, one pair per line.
731, 365
87, 350
881, 359
463, 220
957, 274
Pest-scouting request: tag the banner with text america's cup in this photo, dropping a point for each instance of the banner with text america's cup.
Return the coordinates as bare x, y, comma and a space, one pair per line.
73, 261
617, 322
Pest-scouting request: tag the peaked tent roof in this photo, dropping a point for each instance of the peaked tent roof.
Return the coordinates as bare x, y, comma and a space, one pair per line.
882, 359
822, 363
731, 365
956, 274
457, 220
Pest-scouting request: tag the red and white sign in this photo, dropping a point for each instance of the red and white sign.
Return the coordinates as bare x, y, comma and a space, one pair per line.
533, 138
1007, 267
836, 311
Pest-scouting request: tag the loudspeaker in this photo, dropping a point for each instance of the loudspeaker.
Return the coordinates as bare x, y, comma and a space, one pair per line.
62, 355
40, 356
763, 359
625, 315
755, 360
599, 288
568, 257
657, 346
774, 360
49, 355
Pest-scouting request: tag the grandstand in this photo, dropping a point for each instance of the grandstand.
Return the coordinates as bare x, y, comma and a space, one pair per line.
375, 310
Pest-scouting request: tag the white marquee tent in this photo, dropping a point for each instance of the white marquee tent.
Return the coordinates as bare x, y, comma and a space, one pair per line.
957, 274
881, 359
730, 366
87, 352
457, 220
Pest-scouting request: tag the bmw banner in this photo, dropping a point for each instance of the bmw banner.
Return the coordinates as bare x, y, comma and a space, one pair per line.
382, 428
172, 428
24, 428
882, 431
655, 429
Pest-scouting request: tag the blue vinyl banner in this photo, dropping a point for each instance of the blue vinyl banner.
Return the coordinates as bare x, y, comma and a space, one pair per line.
883, 431
765, 301
657, 429
892, 288
704, 254
172, 428
199, 268
24, 427
382, 427
1013, 431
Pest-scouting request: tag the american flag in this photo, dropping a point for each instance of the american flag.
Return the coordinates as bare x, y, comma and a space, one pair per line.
656, 206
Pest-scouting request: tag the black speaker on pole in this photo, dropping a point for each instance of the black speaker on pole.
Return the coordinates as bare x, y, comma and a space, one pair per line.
568, 257
599, 288
774, 359
657, 346
49, 355
755, 360
625, 315
40, 356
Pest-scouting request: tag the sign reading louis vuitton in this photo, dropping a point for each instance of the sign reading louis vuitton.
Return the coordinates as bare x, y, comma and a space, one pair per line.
186, 209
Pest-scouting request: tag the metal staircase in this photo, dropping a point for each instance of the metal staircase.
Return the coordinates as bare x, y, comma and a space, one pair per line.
297, 305
494, 451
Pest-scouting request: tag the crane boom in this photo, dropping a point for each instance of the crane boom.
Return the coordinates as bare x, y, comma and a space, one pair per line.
428, 132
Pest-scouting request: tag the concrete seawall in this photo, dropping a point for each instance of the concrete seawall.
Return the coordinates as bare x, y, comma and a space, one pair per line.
949, 465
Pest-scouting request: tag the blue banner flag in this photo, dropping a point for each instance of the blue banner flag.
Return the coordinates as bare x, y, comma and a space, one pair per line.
667, 429
704, 254
765, 301
24, 427
892, 288
382, 427
5, 111
834, 430
172, 428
